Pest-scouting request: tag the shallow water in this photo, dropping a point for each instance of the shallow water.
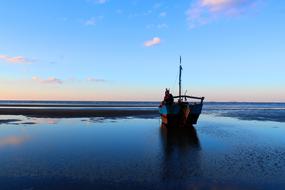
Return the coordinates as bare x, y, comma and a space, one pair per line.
136, 153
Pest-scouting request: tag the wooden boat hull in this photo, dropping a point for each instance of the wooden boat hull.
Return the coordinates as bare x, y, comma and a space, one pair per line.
180, 114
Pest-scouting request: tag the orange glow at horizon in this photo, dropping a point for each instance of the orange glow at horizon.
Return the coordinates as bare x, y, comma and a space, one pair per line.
129, 94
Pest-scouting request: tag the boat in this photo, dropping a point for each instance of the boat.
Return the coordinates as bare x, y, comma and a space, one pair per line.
178, 111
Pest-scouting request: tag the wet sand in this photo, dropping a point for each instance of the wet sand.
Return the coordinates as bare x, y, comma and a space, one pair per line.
258, 115
72, 113
110, 105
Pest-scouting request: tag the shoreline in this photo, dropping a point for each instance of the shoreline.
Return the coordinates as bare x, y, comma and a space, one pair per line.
73, 113
275, 114
77, 105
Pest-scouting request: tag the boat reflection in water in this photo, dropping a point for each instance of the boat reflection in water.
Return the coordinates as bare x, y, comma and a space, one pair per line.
181, 159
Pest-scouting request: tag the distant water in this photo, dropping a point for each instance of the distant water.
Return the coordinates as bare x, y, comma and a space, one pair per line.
244, 106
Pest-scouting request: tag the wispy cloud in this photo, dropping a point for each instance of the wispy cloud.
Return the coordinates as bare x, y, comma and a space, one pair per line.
98, 1
92, 21
119, 11
16, 59
155, 9
101, 1
157, 5
50, 80
154, 41
161, 26
162, 14
158, 26
92, 79
204, 11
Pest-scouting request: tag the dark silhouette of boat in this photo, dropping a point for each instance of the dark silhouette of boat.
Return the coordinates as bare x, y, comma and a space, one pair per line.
177, 110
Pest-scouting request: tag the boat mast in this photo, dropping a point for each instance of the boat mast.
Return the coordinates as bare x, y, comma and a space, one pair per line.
180, 70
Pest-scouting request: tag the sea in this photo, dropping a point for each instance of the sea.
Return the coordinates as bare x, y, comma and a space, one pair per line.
234, 145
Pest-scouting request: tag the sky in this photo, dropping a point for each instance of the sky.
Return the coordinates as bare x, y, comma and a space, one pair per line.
232, 50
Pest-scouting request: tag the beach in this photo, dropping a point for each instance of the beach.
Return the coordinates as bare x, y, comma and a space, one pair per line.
126, 147
73, 113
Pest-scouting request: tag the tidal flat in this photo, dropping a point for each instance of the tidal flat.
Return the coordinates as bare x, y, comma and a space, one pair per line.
220, 152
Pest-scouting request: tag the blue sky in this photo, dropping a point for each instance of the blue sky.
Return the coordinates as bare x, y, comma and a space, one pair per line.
232, 50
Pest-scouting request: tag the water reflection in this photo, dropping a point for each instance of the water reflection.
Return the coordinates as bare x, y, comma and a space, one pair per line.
38, 120
12, 140
181, 159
